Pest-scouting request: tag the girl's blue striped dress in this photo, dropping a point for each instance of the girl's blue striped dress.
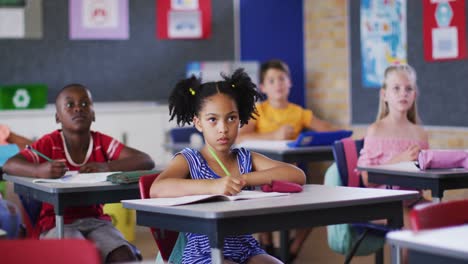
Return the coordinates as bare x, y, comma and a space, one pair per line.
236, 248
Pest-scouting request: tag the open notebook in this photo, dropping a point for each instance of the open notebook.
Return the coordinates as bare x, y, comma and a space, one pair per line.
243, 195
76, 177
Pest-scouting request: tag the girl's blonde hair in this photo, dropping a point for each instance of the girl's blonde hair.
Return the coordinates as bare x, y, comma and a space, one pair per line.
412, 114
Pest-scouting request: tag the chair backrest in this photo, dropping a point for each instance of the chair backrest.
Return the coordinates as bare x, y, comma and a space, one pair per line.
183, 134
165, 239
346, 151
435, 215
71, 251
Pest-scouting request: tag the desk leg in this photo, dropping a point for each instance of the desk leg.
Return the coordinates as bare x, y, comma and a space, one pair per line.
216, 245
395, 254
59, 224
284, 245
217, 256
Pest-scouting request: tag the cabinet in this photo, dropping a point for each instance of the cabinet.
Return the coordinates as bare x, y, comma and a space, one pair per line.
140, 125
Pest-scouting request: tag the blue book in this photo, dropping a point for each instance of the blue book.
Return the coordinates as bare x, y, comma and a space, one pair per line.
312, 138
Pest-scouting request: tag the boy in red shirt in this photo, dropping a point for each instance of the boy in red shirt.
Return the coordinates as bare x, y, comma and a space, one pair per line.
76, 147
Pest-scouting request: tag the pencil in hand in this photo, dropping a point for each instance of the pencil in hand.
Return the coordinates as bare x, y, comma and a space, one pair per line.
219, 161
38, 153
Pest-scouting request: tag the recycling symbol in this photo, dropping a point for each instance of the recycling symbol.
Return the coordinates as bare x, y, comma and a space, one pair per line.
21, 98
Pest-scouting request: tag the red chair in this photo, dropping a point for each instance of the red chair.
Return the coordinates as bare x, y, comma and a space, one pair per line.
435, 215
49, 251
165, 239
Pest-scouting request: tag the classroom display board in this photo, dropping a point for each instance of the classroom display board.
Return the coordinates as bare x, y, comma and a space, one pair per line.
142, 68
443, 86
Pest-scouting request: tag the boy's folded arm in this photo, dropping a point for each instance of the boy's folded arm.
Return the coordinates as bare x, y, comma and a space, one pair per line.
248, 132
274, 135
131, 159
320, 125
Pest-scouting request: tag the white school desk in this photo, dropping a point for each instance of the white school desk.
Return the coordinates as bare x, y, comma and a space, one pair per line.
436, 180
282, 153
442, 245
317, 205
62, 195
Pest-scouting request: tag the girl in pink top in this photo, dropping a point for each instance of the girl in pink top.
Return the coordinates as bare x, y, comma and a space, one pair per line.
396, 136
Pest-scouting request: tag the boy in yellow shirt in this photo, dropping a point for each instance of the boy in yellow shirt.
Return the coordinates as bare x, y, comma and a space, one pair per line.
279, 119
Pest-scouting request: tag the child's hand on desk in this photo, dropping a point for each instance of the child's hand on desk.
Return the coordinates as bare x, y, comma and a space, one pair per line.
284, 132
95, 167
52, 169
228, 185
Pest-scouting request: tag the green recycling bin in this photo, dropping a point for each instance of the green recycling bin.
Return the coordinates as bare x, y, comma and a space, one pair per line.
23, 96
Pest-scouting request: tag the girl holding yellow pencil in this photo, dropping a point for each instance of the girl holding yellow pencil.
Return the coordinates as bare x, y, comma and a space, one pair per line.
218, 109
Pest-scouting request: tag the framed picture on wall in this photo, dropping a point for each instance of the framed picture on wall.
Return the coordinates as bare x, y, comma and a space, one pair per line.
98, 19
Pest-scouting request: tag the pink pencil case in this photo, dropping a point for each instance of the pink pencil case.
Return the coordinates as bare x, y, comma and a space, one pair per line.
442, 159
282, 186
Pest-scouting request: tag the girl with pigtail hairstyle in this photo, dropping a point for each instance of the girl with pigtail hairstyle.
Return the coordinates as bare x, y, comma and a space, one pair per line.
218, 109
187, 97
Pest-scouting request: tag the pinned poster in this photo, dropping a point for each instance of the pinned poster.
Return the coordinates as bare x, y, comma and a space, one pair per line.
444, 29
383, 38
183, 19
21, 19
98, 19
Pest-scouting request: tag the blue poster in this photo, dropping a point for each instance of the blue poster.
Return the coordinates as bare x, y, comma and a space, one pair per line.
383, 38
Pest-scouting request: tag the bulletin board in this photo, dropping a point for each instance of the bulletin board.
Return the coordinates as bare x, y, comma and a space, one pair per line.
141, 68
443, 86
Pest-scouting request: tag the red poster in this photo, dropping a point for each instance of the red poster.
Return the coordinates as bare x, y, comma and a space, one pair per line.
444, 29
183, 19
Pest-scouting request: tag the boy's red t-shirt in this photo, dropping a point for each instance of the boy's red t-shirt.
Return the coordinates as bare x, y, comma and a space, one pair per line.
102, 148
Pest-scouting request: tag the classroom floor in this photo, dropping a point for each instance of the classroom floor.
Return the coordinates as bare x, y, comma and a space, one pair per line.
315, 249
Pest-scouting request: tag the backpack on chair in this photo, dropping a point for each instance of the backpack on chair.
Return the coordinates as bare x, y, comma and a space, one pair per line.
358, 238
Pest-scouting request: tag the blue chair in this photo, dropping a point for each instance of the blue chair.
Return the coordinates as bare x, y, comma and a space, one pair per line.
183, 134
181, 137
341, 160
346, 154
